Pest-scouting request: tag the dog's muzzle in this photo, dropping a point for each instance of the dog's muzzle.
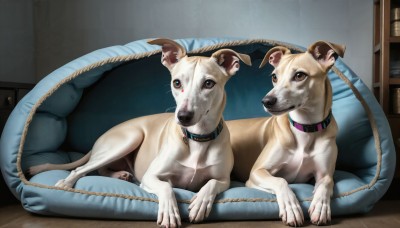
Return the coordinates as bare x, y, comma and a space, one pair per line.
269, 101
185, 117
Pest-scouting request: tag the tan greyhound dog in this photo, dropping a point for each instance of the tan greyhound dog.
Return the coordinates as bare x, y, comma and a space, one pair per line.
299, 141
189, 149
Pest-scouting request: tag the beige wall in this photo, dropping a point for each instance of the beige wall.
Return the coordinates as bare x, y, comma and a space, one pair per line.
67, 29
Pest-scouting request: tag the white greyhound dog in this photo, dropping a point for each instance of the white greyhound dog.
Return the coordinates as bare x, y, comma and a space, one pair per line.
299, 141
189, 149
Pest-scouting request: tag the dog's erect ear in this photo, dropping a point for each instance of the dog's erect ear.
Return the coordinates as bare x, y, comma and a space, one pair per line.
274, 56
230, 60
172, 52
326, 53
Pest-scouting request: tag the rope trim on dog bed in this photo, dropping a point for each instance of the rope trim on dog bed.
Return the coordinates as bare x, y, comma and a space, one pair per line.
196, 51
374, 128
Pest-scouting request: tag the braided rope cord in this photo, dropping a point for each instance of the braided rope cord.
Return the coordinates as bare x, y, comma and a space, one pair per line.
196, 51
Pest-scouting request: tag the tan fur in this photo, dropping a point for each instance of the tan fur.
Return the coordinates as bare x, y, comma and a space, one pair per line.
151, 149
270, 153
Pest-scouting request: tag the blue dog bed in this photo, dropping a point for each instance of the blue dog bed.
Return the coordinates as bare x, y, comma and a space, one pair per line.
60, 119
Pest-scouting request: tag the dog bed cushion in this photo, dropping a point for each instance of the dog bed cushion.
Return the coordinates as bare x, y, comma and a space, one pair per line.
59, 120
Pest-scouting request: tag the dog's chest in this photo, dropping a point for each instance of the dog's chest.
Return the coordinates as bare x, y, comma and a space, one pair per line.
190, 178
193, 171
299, 165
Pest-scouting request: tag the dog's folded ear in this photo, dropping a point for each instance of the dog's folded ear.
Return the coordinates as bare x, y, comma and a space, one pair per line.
274, 56
230, 60
326, 53
172, 52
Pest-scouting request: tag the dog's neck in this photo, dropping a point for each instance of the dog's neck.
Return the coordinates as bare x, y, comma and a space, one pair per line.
308, 115
210, 122
203, 137
310, 128
317, 109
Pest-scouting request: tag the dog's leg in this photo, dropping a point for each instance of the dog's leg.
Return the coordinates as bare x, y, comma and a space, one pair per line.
111, 146
168, 212
320, 208
289, 207
202, 202
155, 181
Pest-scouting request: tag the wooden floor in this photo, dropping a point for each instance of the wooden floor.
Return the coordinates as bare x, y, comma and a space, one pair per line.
385, 214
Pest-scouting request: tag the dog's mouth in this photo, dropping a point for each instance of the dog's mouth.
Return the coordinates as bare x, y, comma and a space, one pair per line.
184, 124
279, 111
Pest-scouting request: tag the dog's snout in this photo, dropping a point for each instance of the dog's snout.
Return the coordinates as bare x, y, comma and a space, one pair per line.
269, 101
185, 117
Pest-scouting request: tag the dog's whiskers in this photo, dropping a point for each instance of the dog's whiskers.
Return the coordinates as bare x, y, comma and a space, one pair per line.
172, 108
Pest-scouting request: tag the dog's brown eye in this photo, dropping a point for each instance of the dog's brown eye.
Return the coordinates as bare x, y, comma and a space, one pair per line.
274, 78
177, 84
208, 84
299, 76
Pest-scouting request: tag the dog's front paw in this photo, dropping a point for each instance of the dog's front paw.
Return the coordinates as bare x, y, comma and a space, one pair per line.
63, 184
320, 210
200, 206
168, 212
289, 208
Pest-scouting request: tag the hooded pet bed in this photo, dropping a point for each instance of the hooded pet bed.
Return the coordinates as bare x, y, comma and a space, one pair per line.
60, 119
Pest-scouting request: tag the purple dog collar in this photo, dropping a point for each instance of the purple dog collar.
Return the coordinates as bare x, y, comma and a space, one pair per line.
309, 128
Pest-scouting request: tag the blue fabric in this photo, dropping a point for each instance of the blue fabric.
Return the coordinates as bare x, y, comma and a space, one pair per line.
75, 104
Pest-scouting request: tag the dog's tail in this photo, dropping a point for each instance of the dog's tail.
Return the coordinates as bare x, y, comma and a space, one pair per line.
46, 167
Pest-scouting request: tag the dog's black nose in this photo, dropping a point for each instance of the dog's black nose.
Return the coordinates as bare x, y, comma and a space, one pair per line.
185, 117
269, 101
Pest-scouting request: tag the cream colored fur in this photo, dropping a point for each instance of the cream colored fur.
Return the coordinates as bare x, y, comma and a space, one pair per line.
151, 149
270, 153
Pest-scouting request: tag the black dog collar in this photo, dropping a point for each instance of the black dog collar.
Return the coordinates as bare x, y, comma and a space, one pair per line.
202, 138
309, 128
